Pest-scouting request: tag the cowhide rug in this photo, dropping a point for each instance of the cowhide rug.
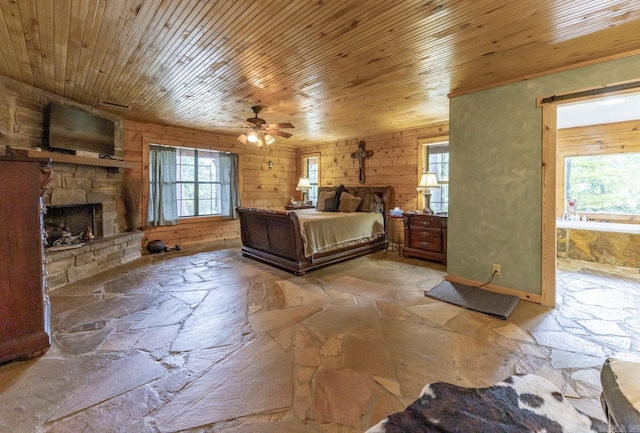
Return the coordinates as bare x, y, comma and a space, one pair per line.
521, 403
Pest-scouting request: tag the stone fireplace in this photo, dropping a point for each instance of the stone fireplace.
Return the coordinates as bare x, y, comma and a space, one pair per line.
83, 196
82, 222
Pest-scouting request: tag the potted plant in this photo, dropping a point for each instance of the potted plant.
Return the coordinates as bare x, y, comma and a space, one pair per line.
132, 196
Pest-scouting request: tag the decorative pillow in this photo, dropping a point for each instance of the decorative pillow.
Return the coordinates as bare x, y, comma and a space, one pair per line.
348, 202
370, 202
326, 199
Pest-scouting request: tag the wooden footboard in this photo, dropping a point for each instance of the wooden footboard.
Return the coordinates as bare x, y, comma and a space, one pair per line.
274, 237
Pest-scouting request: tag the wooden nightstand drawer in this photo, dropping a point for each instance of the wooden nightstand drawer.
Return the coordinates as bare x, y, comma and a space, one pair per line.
430, 243
426, 223
425, 235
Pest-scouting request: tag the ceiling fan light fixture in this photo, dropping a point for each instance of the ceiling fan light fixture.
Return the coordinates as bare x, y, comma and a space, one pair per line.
252, 137
261, 133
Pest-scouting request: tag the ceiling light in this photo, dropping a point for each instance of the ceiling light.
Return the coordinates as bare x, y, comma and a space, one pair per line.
252, 137
259, 138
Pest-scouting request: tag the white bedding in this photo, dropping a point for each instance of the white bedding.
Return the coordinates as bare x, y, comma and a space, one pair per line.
327, 231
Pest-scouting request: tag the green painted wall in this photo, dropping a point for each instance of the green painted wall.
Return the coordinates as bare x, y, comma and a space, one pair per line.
495, 179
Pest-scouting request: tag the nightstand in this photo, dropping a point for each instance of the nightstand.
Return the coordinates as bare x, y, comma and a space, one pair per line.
425, 236
298, 206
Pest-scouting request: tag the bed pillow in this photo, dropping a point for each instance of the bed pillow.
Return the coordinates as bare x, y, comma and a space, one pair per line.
327, 200
370, 202
348, 202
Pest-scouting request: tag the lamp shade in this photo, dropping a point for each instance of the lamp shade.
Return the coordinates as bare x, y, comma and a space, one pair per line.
303, 184
428, 180
268, 139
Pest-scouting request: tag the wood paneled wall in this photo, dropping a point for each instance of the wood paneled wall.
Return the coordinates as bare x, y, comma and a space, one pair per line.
616, 137
395, 161
259, 186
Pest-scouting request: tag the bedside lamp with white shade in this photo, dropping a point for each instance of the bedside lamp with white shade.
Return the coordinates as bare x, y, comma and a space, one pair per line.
304, 185
427, 181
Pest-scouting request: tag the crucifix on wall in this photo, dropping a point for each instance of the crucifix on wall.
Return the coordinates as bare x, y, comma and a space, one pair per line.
360, 155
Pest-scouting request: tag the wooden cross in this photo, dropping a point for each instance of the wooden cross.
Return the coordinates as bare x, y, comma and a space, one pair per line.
361, 154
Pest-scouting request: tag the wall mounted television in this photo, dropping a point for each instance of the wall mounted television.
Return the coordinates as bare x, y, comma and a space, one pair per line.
69, 130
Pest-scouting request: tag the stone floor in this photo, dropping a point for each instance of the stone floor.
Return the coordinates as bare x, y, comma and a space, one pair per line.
210, 341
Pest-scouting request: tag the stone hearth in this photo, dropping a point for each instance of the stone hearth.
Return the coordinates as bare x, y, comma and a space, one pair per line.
68, 266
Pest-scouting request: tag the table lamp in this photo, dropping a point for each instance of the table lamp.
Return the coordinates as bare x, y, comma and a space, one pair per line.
427, 181
304, 186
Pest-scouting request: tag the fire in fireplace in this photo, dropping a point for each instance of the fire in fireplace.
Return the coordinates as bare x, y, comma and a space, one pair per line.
71, 225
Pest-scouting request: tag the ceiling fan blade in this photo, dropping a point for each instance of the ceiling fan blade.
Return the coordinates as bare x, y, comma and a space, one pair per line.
280, 125
278, 133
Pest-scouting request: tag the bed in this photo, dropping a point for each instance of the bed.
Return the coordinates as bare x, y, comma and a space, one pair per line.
286, 239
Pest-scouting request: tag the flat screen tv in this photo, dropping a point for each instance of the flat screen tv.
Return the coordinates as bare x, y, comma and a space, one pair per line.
69, 130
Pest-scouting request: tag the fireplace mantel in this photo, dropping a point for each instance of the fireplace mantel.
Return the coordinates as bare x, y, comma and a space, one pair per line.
74, 159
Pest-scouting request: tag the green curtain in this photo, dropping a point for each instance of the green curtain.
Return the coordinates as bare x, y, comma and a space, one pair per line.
229, 194
162, 208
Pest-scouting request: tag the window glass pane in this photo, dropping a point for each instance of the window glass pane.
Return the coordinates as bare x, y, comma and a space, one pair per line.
185, 158
438, 163
186, 202
604, 183
207, 166
311, 171
205, 207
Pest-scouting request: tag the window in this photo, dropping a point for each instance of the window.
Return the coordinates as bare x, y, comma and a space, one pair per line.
187, 182
604, 183
310, 169
437, 161
198, 182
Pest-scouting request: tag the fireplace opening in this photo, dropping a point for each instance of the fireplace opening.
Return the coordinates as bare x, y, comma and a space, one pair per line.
69, 226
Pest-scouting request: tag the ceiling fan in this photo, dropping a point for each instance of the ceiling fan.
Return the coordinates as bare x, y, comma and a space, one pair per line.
262, 133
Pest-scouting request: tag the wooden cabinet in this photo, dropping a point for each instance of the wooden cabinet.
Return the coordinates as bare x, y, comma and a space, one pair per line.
24, 306
425, 236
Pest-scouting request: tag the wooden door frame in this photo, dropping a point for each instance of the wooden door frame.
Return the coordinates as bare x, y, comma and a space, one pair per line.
549, 107
549, 243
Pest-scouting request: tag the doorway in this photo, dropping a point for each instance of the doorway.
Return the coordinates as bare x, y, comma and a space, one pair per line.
592, 126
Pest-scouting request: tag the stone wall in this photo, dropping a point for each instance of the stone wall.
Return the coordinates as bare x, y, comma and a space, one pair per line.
607, 248
21, 127
83, 184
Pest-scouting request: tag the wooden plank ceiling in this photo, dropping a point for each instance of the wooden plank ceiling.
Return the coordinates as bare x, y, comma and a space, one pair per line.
334, 68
